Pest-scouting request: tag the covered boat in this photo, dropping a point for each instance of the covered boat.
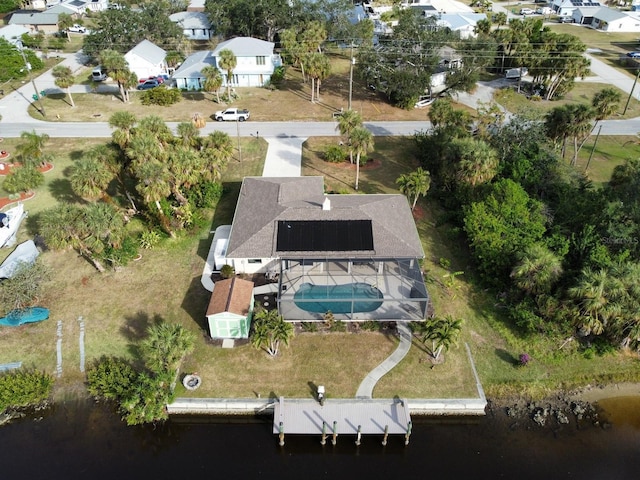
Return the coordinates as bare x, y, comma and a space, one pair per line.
26, 252
9, 223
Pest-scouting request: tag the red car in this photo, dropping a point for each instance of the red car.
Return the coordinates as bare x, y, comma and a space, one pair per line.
153, 77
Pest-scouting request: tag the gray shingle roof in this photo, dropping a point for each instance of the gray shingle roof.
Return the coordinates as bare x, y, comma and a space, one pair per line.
193, 65
149, 51
34, 19
265, 200
197, 20
245, 47
609, 14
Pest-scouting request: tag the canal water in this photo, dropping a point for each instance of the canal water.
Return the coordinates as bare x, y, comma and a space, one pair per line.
87, 441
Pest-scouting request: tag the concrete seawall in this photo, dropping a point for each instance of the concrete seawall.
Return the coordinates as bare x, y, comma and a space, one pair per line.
257, 406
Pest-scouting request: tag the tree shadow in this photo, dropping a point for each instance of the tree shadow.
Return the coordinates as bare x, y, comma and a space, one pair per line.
135, 327
195, 302
60, 189
505, 356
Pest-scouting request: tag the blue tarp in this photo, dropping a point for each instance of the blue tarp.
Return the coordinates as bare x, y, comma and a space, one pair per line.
16, 318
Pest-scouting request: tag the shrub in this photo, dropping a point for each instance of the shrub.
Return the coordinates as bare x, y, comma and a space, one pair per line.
122, 255
524, 359
23, 179
21, 388
161, 96
150, 239
110, 378
335, 154
310, 326
277, 77
227, 271
370, 326
205, 195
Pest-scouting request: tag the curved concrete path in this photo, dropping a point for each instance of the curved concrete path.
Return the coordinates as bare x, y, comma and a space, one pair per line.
365, 390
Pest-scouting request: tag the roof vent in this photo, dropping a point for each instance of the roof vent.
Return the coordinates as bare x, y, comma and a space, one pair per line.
326, 205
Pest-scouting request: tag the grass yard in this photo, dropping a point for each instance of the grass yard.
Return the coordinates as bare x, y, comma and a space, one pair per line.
290, 103
583, 92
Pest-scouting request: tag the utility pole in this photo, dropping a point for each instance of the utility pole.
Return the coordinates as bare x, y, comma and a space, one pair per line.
353, 62
27, 65
631, 92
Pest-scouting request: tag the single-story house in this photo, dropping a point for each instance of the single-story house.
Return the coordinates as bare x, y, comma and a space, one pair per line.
82, 6
195, 25
354, 255
610, 20
189, 75
11, 33
584, 15
463, 23
63, 8
566, 8
441, 6
230, 308
34, 4
256, 61
36, 22
146, 59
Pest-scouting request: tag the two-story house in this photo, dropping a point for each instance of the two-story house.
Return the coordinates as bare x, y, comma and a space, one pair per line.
255, 58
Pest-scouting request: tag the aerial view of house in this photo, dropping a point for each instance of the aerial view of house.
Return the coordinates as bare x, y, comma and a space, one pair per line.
356, 256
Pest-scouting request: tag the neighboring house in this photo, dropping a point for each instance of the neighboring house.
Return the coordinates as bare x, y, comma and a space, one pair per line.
610, 20
195, 25
463, 23
35, 4
584, 15
189, 75
63, 8
36, 22
82, 6
567, 7
146, 59
256, 61
230, 308
354, 255
438, 6
11, 33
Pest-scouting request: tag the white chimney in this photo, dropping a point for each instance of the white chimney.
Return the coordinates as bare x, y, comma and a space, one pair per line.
326, 205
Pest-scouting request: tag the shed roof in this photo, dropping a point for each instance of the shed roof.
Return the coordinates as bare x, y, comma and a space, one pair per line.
264, 201
232, 295
149, 51
245, 47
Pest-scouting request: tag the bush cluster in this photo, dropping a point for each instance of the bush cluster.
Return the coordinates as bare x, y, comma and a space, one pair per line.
21, 388
161, 95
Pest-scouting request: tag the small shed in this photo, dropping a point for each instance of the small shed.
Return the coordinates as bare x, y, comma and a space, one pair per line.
230, 308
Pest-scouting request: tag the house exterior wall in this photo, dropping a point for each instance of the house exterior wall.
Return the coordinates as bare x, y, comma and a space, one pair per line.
230, 325
197, 33
626, 24
189, 83
248, 73
143, 68
250, 265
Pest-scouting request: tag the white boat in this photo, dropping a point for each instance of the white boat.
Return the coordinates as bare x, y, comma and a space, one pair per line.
9, 223
26, 252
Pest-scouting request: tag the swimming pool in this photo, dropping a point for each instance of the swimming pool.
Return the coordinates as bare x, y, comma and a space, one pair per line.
349, 298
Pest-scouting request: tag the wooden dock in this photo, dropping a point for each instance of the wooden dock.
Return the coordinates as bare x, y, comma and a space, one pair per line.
342, 417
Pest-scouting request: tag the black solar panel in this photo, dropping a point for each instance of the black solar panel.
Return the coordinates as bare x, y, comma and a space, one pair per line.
324, 235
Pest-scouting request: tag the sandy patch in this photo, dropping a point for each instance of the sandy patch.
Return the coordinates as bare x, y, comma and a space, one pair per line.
594, 393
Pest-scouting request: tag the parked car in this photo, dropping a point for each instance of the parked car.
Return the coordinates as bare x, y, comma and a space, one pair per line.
99, 74
147, 84
633, 54
77, 29
424, 101
527, 11
566, 19
159, 79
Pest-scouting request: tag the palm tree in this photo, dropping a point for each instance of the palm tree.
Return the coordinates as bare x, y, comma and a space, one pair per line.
414, 184
475, 161
124, 122
153, 183
598, 297
228, 62
212, 80
90, 178
442, 333
118, 69
347, 122
65, 21
361, 143
31, 148
189, 134
580, 127
64, 79
270, 330
165, 346
314, 67
606, 103
537, 270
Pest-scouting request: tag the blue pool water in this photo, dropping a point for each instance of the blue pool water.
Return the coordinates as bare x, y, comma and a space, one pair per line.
338, 298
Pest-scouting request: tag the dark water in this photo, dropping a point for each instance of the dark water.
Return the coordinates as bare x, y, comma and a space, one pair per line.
81, 441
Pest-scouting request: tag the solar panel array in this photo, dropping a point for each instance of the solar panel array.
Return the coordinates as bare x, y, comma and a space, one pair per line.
324, 235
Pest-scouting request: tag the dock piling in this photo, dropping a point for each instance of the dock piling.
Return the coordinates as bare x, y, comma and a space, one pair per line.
408, 434
359, 435
323, 440
386, 434
281, 434
334, 438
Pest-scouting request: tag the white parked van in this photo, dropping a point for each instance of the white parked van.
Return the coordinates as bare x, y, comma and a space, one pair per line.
99, 74
515, 73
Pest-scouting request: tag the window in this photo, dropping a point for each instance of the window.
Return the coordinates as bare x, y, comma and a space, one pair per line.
254, 260
261, 60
